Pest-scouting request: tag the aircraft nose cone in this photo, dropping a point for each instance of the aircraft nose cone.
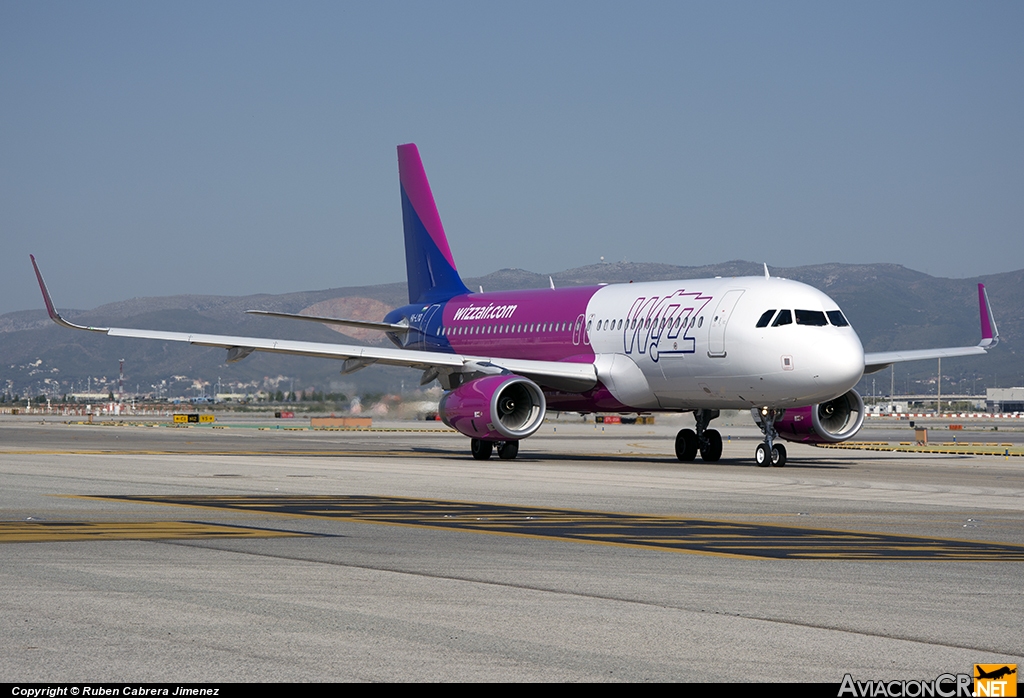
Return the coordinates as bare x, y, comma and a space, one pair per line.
840, 363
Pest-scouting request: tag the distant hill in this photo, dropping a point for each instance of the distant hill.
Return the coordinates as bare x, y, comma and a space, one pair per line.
890, 306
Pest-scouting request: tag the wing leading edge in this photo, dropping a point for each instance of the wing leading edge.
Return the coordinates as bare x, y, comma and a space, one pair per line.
876, 361
573, 377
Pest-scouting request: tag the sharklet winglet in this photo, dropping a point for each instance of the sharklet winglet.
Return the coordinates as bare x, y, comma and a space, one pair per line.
876, 361
989, 332
51, 309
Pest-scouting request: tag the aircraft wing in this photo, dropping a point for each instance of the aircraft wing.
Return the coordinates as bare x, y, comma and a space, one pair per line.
876, 361
572, 377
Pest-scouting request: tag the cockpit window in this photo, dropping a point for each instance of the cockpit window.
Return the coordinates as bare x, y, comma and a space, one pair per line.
785, 318
815, 318
837, 318
766, 318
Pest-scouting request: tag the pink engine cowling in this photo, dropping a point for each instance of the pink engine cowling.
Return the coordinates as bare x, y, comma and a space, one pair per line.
494, 408
828, 422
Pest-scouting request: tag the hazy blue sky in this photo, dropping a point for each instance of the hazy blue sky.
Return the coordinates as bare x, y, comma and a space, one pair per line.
233, 148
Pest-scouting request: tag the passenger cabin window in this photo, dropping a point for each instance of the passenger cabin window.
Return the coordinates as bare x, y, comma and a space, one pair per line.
815, 318
766, 318
836, 318
785, 318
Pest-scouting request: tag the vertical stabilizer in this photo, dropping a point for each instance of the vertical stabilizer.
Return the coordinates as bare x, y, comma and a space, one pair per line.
428, 259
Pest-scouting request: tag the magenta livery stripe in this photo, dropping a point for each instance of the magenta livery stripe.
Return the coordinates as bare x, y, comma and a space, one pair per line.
539, 324
414, 182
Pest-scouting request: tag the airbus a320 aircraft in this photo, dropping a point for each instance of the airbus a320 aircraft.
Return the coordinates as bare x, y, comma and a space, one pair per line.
782, 349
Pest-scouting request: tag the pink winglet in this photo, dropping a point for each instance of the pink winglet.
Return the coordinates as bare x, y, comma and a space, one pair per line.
52, 310
986, 314
414, 181
54, 315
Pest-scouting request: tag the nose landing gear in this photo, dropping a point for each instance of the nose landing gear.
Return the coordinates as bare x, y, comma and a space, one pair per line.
768, 452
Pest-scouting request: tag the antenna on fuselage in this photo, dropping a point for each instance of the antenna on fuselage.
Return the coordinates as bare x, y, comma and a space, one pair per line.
766, 274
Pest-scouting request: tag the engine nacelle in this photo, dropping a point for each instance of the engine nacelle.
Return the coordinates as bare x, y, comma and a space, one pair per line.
827, 422
494, 408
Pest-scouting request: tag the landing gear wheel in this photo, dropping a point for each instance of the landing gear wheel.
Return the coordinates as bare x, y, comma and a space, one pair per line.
778, 455
761, 456
769, 452
507, 450
686, 445
711, 450
481, 449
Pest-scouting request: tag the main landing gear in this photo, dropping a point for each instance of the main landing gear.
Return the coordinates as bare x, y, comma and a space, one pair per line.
707, 441
507, 450
768, 452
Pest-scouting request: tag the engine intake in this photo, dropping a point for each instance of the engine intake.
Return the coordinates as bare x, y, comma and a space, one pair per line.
827, 422
494, 408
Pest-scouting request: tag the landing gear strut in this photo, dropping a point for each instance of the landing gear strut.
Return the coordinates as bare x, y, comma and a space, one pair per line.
768, 452
707, 441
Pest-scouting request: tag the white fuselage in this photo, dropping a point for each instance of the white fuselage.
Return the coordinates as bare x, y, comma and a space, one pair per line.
696, 344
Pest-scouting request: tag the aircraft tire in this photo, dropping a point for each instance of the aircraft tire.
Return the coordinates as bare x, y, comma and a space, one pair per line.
507, 450
712, 451
778, 456
761, 456
481, 449
686, 445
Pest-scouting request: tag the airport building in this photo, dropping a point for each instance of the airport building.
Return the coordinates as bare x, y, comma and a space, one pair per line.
1001, 400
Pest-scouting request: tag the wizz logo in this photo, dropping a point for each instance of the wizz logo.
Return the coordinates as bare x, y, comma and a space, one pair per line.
660, 326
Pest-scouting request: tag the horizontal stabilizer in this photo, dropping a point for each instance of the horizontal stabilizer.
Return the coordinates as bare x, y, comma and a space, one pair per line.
358, 324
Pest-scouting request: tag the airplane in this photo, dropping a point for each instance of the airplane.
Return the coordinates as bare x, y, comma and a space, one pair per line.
996, 673
779, 348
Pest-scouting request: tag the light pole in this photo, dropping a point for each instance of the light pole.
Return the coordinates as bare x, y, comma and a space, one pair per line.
892, 389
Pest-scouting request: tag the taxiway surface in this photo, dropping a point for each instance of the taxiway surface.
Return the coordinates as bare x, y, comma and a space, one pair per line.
158, 554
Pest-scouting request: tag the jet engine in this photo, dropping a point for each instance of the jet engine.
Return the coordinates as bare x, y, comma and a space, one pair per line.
494, 408
827, 422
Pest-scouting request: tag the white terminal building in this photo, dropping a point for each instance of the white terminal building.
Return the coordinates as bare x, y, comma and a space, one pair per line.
1001, 400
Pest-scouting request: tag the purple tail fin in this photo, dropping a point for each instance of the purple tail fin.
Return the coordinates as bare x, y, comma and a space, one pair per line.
428, 259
